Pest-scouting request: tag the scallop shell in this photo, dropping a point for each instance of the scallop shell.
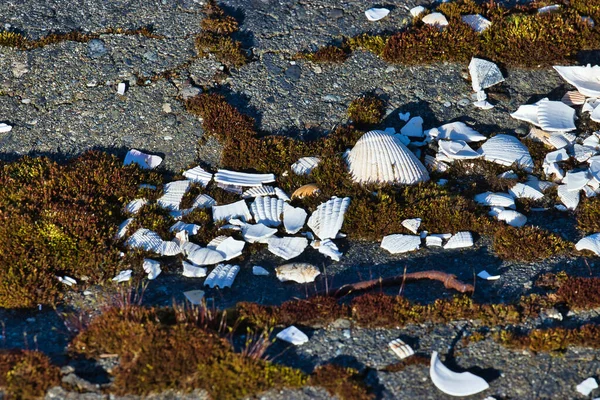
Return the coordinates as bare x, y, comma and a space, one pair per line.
198, 175
416, 11
192, 271
512, 218
484, 74
227, 246
476, 22
401, 349
326, 221
179, 226
375, 14
413, 128
267, 210
452, 383
203, 201
591, 243
222, 276
573, 98
194, 296
495, 199
459, 241
307, 190
123, 276
297, 272
575, 181
145, 161
287, 247
257, 233
583, 153
555, 116
398, 243
292, 335
152, 268
227, 177
327, 248
569, 198
507, 150
173, 193
435, 165
585, 79
122, 231
305, 165
457, 150
382, 158
281, 194
238, 209
435, 19
202, 256
134, 206
412, 224
293, 218
258, 191
148, 240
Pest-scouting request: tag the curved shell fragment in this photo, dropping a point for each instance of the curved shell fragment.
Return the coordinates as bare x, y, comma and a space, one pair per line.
225, 212
148, 240
375, 14
297, 272
495, 199
523, 191
123, 276
305, 165
257, 270
512, 218
575, 181
281, 194
569, 198
267, 210
412, 224
573, 98
287, 247
416, 11
327, 220
399, 243
585, 79
555, 116
591, 243
327, 248
222, 276
258, 191
457, 150
173, 193
145, 161
401, 349
194, 296
453, 383
413, 128
134, 206
484, 74
435, 19
198, 175
257, 233
228, 246
192, 271
201, 256
459, 240
507, 150
122, 230
476, 22
292, 335
152, 268
309, 189
293, 218
235, 178
456, 131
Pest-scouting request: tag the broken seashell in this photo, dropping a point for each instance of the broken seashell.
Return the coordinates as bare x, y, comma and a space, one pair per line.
5, 128
512, 218
398, 243
412, 224
259, 271
173, 193
413, 128
203, 201
152, 268
590, 105
121, 88
558, 141
555, 116
435, 165
495, 199
123, 276
585, 79
433, 241
453, 383
134, 206
293, 218
328, 248
327, 220
231, 188
67, 280
258, 191
122, 231
459, 240
527, 113
227, 177
573, 98
507, 150
145, 161
150, 241
379, 157
192, 271
194, 296
292, 335
201, 255
457, 150
257, 233
485, 275
281, 194
267, 210
228, 246
595, 115
198, 175
222, 276
307, 190
225, 212
179, 226
483, 104
484, 74
586, 387
297, 272
522, 191
456, 131
305, 165
575, 181
476, 22
569, 198
287, 247
591, 243
436, 19
416, 11
401, 349
375, 14
549, 9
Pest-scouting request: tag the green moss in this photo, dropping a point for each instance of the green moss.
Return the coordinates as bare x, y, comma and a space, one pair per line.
27, 374
327, 54
588, 215
552, 339
373, 43
344, 383
528, 244
366, 110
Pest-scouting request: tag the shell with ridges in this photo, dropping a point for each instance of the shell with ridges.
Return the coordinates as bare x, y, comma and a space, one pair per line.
305, 165
287, 247
459, 241
506, 150
222, 276
258, 191
227, 177
267, 210
238, 209
173, 193
198, 175
327, 220
297, 272
398, 243
309, 189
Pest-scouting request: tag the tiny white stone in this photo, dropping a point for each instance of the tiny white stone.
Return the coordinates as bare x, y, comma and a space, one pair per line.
5, 128
121, 87
292, 335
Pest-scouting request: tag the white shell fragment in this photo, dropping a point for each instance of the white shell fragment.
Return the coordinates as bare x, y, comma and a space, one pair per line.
523, 191
591, 243
134, 206
484, 74
281, 194
512, 218
292, 335
495, 199
173, 193
152, 268
486, 276
453, 383
435, 19
416, 11
194, 296
267, 210
327, 220
242, 178
433, 241
305, 165
258, 191
569, 198
507, 150
573, 98
327, 248
228, 246
293, 218
192, 271
297, 272
67, 280
148, 240
198, 175
222, 276
459, 241
190, 229
122, 231
457, 150
201, 255
456, 131
585, 79
527, 113
398, 243
401, 349
477, 22
375, 14
549, 9
123, 276
225, 212
203, 201
413, 128
145, 161
575, 181
257, 270
287, 247
257, 233
5, 128
555, 116
121, 88
380, 157
586, 387
412, 224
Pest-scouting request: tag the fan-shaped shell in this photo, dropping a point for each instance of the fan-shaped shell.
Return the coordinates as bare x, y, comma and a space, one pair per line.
198, 175
293, 218
327, 220
381, 157
122, 231
591, 243
459, 240
148, 240
328, 248
297, 272
512, 218
225, 212
173, 193
305, 165
258, 191
152, 268
257, 233
569, 198
585, 79
307, 190
202, 255
435, 19
401, 349
227, 177
192, 271
484, 74
555, 116
398, 243
203, 201
281, 194
412, 224
134, 206
495, 199
452, 383
522, 191
145, 161
573, 98
222, 276
506, 150
476, 22
287, 247
267, 210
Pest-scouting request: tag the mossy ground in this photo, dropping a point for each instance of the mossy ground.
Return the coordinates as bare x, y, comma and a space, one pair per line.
26, 374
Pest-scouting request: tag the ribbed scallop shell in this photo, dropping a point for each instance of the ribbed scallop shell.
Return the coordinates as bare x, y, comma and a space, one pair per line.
151, 241
287, 247
398, 243
173, 193
305, 165
258, 191
327, 220
202, 255
267, 210
506, 150
225, 212
309, 189
135, 205
495, 199
381, 157
401, 349
227, 177
222, 276
198, 175
555, 116
591, 243
297, 272
459, 240
585, 79
573, 98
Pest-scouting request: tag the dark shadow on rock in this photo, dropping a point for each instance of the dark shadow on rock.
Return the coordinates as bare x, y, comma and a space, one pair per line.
367, 374
416, 109
489, 374
592, 57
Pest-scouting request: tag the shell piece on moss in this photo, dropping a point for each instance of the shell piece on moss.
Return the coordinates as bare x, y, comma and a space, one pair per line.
237, 189
201, 255
459, 240
179, 226
227, 177
305, 165
375, 14
145, 161
583, 153
203, 201
433, 241
556, 156
549, 9
293, 218
413, 128
435, 19
257, 233
67, 280
453, 383
457, 150
476, 22
591, 243
412, 224
416, 11
401, 349
309, 189
258, 191
281, 194
484, 74
297, 272
327, 248
523, 191
573, 98
585, 79
5, 128
575, 181
123, 276
192, 271
267, 210
222, 276
495, 199
380, 157
134, 206
257, 270
287, 247
486, 276
512, 218
122, 230
194, 296
399, 243
555, 116
327, 220
173, 193
148, 240
569, 198
225, 212
152, 268
507, 150
198, 175
292, 335
434, 164
227, 246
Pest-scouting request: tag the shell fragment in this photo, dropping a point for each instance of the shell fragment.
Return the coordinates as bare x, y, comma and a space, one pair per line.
222, 276
453, 383
297, 272
292, 335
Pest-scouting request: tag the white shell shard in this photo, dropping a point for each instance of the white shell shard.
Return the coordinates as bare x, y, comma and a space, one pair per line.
591, 243
413, 128
435, 19
148, 240
242, 178
412, 224
495, 199
590, 105
416, 11
134, 206
435, 165
595, 115
281, 194
453, 383
201, 255
507, 150
293, 218
222, 276
512, 218
147, 186
558, 141
398, 243
459, 241
225, 212
327, 220
486, 276
549, 9
123, 276
257, 270
297, 272
401, 349
190, 229
595, 170
152, 268
305, 165
556, 156
173, 193
122, 231
457, 150
327, 248
198, 175
258, 191
145, 161
477, 22
169, 248
67, 280
483, 104
375, 14
456, 131
573, 98
522, 191
229, 247
586, 387
5, 128
555, 116
569, 198
121, 88
194, 296
575, 181
292, 335
527, 113
192, 271
287, 247
267, 210
484, 74
257, 233
433, 241
508, 175
204, 201
231, 188
585, 79
379, 157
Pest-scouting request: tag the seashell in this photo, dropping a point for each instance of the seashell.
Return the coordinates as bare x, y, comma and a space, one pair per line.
152, 268
558, 141
527, 113
292, 335
556, 156
203, 201
435, 19
483, 104
257, 233
305, 165
281, 194
586, 387
190, 229
512, 218
375, 14
258, 191
67, 280
585, 79
549, 9
452, 383
307, 190
508, 175
192, 271
328, 248
555, 116
194, 296
495, 199
595, 115
222, 276
121, 88
459, 241
435, 165
416, 11
169, 248
202, 256
297, 272
595, 170
198, 175
327, 220
522, 191
507, 150
227, 246
589, 191
145, 161
569, 198
259, 271
267, 210
573, 98
575, 181
413, 128
134, 206
590, 105
122, 231
123, 276
433, 241
238, 209
412, 224
476, 22
293, 218
5, 128
148, 240
231, 188
287, 247
401, 349
591, 243
173, 193
592, 141
379, 157
457, 150
485, 275
398, 243
456, 131
484, 74
242, 178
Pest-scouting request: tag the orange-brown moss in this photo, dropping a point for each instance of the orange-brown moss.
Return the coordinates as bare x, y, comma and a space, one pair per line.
588, 215
366, 110
552, 339
216, 21
575, 292
26, 374
327, 54
344, 383
528, 243
417, 359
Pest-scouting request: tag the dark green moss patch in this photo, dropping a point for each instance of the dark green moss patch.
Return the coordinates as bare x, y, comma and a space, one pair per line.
366, 110
588, 215
26, 374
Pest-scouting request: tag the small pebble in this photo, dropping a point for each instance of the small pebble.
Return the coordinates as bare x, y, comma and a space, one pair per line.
166, 107
447, 104
96, 48
121, 87
26, 101
464, 102
347, 334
